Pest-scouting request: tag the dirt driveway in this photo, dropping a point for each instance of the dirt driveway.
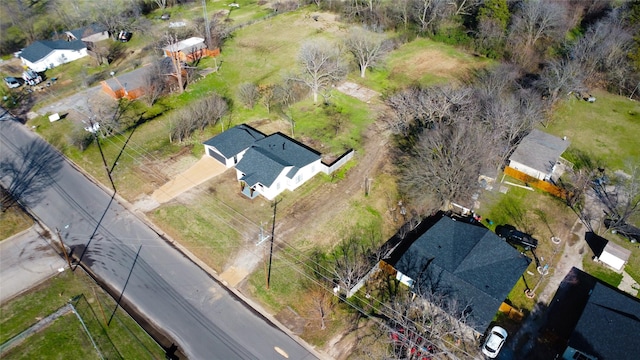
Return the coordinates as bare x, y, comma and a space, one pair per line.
205, 169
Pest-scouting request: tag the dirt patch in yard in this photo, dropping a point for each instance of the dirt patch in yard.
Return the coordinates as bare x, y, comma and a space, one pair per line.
433, 62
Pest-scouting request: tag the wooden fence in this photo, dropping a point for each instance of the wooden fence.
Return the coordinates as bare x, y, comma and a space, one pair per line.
536, 183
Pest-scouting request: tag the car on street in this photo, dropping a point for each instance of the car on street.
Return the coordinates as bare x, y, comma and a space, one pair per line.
492, 345
12, 82
513, 236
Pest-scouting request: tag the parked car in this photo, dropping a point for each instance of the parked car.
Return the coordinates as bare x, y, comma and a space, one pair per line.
12, 82
492, 345
513, 236
627, 230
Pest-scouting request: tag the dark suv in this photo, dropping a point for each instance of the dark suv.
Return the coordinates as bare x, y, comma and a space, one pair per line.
513, 236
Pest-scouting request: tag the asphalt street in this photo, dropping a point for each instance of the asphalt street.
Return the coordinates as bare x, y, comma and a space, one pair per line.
203, 318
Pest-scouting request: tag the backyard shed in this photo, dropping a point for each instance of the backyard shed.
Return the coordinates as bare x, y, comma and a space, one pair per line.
614, 255
607, 252
189, 49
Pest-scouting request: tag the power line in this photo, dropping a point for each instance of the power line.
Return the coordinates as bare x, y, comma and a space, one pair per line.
384, 309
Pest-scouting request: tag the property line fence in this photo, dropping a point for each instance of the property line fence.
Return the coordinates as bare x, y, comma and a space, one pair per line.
536, 183
337, 163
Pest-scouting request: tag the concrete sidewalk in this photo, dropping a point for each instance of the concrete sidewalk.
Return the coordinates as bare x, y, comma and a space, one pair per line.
26, 260
205, 169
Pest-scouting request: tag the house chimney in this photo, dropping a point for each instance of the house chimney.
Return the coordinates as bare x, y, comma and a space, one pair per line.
282, 146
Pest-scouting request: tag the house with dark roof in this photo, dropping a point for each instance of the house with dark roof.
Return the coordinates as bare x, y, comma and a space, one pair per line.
47, 54
463, 260
229, 146
89, 35
588, 319
130, 85
538, 154
266, 165
276, 163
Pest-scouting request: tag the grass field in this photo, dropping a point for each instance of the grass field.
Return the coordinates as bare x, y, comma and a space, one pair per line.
65, 333
65, 338
421, 62
13, 221
606, 131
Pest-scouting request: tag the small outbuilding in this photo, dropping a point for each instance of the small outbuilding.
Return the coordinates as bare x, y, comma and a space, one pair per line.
607, 252
189, 49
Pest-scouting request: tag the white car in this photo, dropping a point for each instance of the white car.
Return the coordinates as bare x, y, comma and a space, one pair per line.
494, 342
12, 82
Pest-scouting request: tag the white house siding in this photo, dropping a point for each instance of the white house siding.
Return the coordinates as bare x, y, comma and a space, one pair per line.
527, 170
283, 182
404, 279
305, 173
55, 58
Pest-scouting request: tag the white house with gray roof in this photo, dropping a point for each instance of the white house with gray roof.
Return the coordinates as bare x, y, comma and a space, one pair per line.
47, 54
229, 146
538, 154
265, 165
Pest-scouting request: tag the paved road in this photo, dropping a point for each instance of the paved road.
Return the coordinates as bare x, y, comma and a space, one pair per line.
26, 260
180, 299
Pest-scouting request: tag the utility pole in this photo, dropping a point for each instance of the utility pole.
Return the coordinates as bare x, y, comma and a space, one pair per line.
64, 249
207, 26
273, 229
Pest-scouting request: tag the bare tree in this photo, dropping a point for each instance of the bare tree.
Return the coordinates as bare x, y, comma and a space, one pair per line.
162, 4
321, 65
154, 83
429, 14
603, 53
445, 163
200, 114
207, 111
351, 262
267, 96
367, 48
622, 200
112, 117
319, 305
178, 67
534, 21
561, 77
33, 168
248, 94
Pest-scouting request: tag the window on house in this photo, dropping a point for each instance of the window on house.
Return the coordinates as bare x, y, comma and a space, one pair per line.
277, 186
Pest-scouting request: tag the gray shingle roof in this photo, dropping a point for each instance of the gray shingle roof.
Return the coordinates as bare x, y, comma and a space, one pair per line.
129, 81
87, 31
468, 261
268, 157
539, 150
608, 320
231, 142
39, 49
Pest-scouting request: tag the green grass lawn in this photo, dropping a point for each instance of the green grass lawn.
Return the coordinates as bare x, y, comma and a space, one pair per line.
536, 213
123, 338
607, 130
65, 338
